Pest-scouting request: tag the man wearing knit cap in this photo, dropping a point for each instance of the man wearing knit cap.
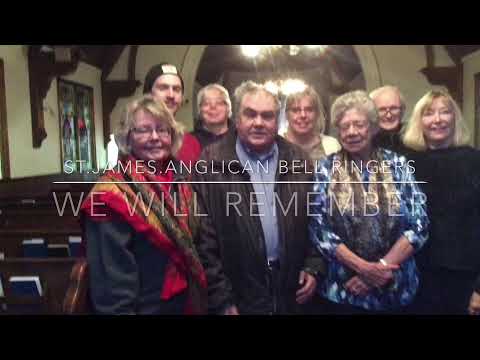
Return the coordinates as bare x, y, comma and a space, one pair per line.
164, 82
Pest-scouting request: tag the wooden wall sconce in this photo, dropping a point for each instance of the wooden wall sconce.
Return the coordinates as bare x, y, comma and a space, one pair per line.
449, 76
43, 67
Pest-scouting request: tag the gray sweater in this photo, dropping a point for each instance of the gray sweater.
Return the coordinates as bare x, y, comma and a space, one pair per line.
126, 271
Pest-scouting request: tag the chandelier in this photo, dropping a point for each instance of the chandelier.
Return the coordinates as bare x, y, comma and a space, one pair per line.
288, 85
285, 87
254, 51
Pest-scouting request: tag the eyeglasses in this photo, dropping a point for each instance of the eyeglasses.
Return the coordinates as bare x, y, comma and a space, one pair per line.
297, 110
265, 115
393, 110
213, 103
356, 125
148, 132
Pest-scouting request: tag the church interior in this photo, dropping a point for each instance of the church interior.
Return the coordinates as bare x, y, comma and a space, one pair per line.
60, 104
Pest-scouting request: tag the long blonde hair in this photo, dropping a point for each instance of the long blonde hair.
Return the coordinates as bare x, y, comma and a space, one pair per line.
413, 136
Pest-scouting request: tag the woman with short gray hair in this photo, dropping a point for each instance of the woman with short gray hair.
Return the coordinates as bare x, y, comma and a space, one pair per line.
214, 114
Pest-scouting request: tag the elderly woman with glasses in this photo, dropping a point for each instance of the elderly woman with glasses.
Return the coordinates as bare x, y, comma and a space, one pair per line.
391, 107
306, 124
368, 217
450, 170
139, 222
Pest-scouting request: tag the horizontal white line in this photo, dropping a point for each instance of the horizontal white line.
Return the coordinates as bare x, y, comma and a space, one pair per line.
239, 182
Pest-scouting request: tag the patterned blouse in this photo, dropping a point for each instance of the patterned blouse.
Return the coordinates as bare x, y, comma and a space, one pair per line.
410, 221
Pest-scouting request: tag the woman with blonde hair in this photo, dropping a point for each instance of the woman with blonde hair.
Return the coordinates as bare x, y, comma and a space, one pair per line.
139, 222
306, 124
450, 171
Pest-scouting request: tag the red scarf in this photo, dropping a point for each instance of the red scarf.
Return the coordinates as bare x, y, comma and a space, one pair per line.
173, 236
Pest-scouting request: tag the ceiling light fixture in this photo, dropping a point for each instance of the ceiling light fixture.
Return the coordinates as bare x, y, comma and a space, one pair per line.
285, 87
254, 51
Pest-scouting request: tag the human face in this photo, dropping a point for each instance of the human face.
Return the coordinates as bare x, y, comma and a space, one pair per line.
301, 116
150, 139
168, 88
389, 108
355, 133
257, 123
438, 122
213, 109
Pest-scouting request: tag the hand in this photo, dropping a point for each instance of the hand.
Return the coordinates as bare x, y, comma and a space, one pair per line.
309, 283
231, 310
474, 307
376, 274
357, 286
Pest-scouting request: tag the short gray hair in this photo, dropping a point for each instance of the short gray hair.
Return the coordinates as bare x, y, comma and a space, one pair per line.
358, 100
158, 110
219, 88
379, 91
251, 87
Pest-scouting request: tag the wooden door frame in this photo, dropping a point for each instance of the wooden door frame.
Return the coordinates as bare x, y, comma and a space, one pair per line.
5, 158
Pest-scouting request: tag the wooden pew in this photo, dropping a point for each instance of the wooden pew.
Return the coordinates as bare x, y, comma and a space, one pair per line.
32, 208
28, 210
54, 275
11, 240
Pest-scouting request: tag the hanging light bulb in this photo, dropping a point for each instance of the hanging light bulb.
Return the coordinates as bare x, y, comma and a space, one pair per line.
272, 87
251, 50
294, 50
292, 86
317, 47
273, 47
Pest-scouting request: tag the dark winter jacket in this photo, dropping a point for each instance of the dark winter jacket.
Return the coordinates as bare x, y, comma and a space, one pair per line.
206, 137
231, 244
452, 187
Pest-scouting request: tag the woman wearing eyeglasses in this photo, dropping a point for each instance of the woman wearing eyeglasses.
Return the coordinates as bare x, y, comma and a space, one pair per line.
306, 124
139, 224
368, 217
450, 168
390, 106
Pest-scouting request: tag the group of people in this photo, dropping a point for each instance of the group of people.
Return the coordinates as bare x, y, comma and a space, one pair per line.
381, 219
